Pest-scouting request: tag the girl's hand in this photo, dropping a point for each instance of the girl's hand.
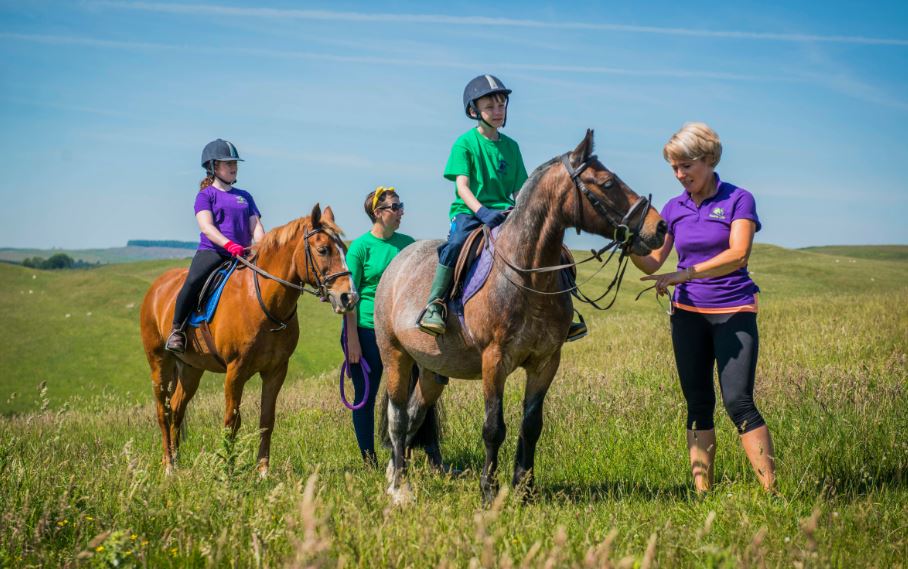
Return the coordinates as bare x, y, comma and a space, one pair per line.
354, 351
234, 249
666, 280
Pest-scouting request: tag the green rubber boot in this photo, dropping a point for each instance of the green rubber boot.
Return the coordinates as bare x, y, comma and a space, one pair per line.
433, 318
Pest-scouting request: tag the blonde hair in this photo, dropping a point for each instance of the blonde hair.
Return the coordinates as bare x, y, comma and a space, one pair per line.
695, 141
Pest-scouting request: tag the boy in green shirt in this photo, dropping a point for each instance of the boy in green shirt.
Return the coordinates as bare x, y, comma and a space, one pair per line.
487, 170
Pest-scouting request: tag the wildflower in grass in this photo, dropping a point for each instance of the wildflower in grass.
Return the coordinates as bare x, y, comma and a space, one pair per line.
89, 518
99, 549
133, 537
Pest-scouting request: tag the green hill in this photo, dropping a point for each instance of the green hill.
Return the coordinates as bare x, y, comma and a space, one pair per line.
869, 252
78, 330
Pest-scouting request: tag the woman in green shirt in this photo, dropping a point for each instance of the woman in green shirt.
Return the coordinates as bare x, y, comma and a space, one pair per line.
368, 257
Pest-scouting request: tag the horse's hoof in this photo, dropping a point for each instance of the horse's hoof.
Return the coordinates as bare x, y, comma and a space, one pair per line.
401, 496
168, 470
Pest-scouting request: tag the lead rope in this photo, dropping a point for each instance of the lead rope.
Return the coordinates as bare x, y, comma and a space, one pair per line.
348, 368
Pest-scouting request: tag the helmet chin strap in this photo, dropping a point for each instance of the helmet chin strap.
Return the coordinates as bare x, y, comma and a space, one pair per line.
211, 172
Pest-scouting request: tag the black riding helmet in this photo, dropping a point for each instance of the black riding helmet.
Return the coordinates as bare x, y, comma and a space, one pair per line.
480, 87
219, 150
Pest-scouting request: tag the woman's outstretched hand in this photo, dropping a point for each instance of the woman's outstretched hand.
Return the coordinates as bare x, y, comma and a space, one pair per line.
666, 280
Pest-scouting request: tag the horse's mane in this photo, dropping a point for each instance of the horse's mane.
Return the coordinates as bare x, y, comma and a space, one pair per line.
279, 237
526, 191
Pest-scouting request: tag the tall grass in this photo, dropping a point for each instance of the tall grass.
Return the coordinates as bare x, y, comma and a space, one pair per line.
81, 480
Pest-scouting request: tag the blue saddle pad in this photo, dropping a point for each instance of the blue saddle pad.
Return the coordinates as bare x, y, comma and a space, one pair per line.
213, 296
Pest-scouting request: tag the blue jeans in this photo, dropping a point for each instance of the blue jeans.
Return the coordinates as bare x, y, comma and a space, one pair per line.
461, 226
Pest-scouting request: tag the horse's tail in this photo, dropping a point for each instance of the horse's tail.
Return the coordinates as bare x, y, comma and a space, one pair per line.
429, 432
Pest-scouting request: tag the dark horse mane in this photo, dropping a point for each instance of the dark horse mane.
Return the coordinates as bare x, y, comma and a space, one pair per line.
287, 233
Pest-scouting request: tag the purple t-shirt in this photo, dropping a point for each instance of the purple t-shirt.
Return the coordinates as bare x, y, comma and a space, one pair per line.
231, 212
700, 234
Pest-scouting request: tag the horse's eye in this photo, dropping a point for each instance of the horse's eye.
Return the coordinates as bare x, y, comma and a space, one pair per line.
323, 250
608, 184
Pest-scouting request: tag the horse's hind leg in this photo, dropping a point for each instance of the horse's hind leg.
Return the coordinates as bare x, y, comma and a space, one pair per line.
272, 381
423, 432
398, 368
539, 378
187, 384
163, 370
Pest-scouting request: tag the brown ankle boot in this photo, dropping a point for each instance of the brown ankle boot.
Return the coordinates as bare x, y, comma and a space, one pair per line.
176, 342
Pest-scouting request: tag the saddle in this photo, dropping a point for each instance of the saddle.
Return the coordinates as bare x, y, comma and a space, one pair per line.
474, 264
211, 293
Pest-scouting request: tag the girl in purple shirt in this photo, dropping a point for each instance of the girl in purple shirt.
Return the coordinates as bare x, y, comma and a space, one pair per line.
229, 221
714, 305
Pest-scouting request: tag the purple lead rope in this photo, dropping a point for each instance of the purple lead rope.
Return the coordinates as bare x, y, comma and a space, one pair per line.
347, 368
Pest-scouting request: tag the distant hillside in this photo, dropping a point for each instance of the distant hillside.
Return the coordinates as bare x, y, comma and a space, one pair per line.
869, 252
127, 254
169, 243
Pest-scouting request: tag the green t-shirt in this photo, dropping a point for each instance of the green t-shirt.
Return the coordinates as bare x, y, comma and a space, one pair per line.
367, 259
495, 169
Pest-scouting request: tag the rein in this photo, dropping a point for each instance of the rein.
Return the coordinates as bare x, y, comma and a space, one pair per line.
621, 240
322, 283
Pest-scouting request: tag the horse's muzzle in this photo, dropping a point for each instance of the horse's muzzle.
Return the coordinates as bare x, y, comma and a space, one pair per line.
343, 302
652, 237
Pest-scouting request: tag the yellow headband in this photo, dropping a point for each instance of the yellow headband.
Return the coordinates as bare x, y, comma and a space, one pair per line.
378, 192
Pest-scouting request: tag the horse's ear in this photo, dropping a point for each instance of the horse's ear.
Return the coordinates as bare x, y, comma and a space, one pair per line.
328, 215
315, 218
584, 150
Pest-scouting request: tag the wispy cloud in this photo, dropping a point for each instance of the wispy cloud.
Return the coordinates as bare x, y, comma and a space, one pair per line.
473, 21
401, 62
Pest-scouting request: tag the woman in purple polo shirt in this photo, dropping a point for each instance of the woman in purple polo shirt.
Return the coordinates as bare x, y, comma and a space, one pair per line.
229, 221
714, 304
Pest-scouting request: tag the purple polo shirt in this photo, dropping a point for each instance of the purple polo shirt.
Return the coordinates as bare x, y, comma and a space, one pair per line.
702, 232
231, 212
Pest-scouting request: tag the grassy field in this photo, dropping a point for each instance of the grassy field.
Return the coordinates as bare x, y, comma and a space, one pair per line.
103, 256
81, 481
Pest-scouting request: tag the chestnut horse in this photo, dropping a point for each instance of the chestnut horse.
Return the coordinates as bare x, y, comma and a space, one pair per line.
517, 319
307, 250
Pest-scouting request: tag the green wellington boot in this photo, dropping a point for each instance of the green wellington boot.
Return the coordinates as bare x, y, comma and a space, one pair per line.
433, 317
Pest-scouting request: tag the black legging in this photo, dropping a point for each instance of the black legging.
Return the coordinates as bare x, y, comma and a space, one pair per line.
732, 341
203, 263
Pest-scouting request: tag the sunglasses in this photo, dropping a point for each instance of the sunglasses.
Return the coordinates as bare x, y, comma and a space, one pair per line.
393, 206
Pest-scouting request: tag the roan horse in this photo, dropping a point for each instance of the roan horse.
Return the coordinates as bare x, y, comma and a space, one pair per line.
307, 250
508, 325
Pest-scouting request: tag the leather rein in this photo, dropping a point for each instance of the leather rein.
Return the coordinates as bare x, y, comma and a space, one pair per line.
322, 282
621, 240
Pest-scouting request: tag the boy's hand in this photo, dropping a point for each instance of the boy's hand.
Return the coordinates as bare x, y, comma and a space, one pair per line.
490, 217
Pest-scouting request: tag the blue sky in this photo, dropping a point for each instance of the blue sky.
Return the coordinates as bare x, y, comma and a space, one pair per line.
105, 106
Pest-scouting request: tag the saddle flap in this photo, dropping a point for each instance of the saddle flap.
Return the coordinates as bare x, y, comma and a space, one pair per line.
471, 250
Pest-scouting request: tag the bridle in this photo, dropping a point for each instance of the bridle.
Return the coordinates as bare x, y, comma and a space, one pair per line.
322, 281
622, 238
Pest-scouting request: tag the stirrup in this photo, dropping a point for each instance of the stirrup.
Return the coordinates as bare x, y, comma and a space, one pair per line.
577, 330
442, 311
179, 346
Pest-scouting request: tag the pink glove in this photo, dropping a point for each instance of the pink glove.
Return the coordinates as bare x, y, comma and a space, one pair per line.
234, 249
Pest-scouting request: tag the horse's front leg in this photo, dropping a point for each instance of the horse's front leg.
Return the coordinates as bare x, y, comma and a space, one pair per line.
398, 367
494, 374
233, 395
272, 381
539, 378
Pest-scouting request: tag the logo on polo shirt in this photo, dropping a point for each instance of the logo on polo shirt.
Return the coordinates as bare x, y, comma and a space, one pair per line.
502, 165
240, 199
717, 213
